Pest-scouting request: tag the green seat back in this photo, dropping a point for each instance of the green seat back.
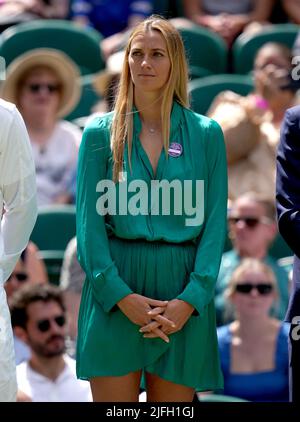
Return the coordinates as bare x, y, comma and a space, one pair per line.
205, 49
89, 98
53, 261
81, 45
279, 248
246, 45
198, 72
203, 90
55, 226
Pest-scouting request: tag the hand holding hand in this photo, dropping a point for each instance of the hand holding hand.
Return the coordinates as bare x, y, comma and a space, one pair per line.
176, 314
136, 308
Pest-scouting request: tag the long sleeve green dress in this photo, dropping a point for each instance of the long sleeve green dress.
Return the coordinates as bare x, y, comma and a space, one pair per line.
143, 245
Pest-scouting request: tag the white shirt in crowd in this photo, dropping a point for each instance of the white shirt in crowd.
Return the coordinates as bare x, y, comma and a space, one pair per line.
18, 197
56, 162
66, 388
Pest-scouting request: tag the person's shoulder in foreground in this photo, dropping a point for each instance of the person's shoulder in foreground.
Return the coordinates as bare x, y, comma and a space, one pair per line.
5, 105
11, 118
294, 111
8, 111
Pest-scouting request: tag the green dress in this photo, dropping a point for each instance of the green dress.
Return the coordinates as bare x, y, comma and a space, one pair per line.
152, 250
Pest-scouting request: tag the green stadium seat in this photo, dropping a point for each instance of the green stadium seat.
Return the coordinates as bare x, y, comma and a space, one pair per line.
89, 98
54, 228
53, 261
203, 90
279, 248
198, 72
81, 45
205, 49
246, 45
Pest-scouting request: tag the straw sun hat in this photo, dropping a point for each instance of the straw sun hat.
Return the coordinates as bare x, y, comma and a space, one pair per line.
63, 67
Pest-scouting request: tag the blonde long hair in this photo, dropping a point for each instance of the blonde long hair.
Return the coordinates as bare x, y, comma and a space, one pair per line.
175, 89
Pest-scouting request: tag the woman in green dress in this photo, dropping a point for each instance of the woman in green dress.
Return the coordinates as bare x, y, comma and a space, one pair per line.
151, 223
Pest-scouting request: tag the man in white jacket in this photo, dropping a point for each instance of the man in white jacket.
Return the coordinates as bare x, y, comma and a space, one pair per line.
18, 201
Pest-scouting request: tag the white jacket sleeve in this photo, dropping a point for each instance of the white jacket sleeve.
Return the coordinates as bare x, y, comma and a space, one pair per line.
18, 199
17, 189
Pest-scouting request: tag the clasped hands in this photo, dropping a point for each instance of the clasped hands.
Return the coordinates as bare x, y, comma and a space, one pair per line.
156, 318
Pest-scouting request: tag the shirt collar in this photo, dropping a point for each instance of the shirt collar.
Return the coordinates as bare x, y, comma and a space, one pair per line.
65, 374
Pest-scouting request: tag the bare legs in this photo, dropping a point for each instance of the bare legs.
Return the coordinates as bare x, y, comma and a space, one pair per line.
160, 390
116, 389
127, 389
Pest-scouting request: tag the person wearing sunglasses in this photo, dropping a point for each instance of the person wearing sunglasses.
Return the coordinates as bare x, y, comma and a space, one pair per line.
254, 347
251, 123
44, 84
39, 319
30, 269
18, 212
252, 229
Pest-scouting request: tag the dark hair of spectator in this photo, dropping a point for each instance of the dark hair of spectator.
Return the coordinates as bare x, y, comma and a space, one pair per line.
30, 294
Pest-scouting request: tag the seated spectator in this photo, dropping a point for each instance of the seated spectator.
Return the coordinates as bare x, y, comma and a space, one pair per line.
39, 319
254, 347
113, 19
30, 269
227, 18
13, 12
44, 85
251, 124
71, 282
252, 229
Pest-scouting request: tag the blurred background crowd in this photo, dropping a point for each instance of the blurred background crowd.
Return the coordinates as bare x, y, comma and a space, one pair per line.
63, 59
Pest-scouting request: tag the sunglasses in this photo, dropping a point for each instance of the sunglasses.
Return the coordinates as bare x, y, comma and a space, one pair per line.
20, 276
246, 288
44, 324
35, 88
251, 222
